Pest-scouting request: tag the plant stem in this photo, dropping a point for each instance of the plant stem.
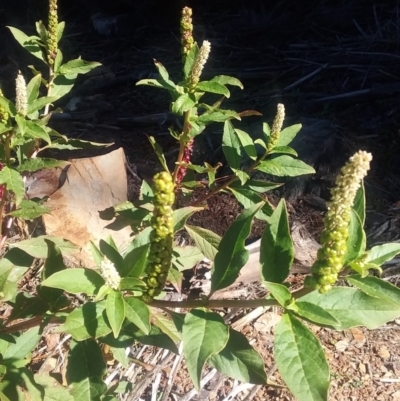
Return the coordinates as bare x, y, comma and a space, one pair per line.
182, 143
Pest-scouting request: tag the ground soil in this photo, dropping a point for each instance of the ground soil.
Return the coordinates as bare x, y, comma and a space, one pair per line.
337, 63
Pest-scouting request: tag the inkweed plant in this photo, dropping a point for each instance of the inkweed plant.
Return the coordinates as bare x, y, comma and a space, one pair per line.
120, 301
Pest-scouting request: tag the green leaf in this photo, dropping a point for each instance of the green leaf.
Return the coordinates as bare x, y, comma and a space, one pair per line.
242, 175
29, 43
60, 30
239, 360
288, 134
137, 312
131, 283
24, 345
26, 305
232, 254
359, 203
62, 85
38, 104
259, 186
156, 338
37, 247
247, 143
75, 281
356, 241
14, 183
352, 307
382, 253
85, 370
86, 322
314, 314
213, 87
279, 292
166, 82
248, 198
135, 260
204, 334
231, 146
115, 310
301, 360
29, 210
375, 287
181, 215
8, 106
39, 163
227, 80
77, 66
36, 131
111, 254
54, 391
184, 258
32, 89
157, 148
285, 166
167, 326
218, 116
175, 277
183, 103
190, 59
276, 248
284, 149
98, 257
205, 240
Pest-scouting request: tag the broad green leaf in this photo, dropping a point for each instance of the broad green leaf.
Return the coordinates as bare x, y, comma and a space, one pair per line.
156, 338
231, 146
131, 283
120, 355
247, 143
54, 391
36, 131
85, 371
382, 253
190, 59
284, 149
216, 116
75, 281
232, 254
39, 163
26, 305
86, 321
115, 311
187, 257
167, 83
98, 257
184, 103
301, 360
60, 30
314, 314
62, 85
276, 248
8, 105
181, 215
166, 325
227, 80
137, 312
248, 198
377, 288
29, 210
175, 277
359, 203
24, 345
356, 241
352, 307
111, 254
285, 166
32, 89
30, 43
77, 66
205, 240
58, 62
38, 104
213, 87
37, 247
19, 383
242, 175
14, 183
239, 360
159, 152
288, 134
204, 334
258, 186
135, 260
279, 292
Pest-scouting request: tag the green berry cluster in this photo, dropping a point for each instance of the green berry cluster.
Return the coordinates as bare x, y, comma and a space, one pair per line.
187, 40
162, 236
3, 112
52, 43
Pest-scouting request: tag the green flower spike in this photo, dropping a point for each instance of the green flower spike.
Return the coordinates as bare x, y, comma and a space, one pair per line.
160, 254
21, 98
198, 65
52, 43
187, 40
276, 126
331, 255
